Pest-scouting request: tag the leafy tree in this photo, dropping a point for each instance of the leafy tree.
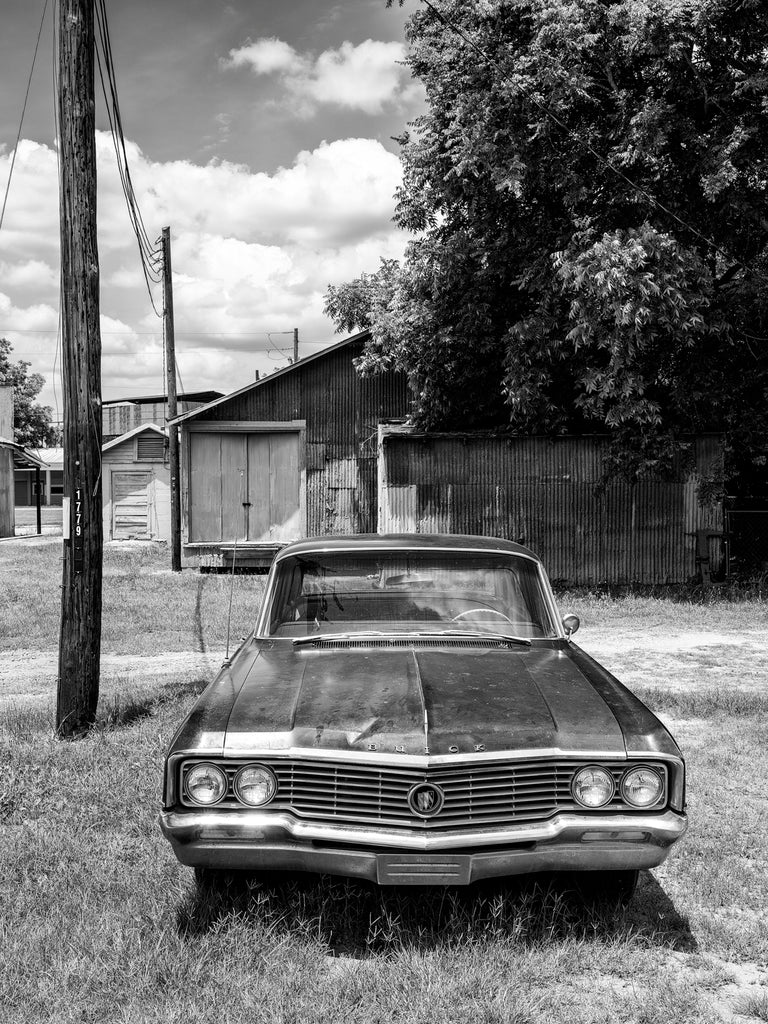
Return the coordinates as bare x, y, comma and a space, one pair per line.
32, 422
588, 190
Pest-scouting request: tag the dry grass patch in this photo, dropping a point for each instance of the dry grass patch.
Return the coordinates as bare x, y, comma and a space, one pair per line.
147, 608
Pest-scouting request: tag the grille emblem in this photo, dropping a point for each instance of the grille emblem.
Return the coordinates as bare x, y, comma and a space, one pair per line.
425, 799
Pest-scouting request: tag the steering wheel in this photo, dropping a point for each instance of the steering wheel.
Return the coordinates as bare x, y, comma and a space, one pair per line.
484, 612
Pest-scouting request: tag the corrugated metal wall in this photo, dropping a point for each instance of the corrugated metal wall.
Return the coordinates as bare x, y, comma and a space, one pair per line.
342, 413
543, 493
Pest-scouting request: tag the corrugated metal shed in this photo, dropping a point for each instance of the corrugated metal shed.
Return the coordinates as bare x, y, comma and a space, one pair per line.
544, 493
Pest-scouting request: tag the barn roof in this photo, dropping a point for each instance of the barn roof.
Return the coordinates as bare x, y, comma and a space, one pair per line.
263, 381
121, 438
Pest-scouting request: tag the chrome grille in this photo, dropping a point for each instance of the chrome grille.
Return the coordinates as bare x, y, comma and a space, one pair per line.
491, 794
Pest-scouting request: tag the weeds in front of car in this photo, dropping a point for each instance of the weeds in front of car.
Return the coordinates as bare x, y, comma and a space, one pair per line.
357, 918
754, 1005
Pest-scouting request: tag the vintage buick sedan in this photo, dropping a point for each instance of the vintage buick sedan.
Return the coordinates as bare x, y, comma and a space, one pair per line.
410, 709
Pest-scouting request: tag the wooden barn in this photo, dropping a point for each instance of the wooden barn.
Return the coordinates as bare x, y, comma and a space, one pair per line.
136, 485
287, 456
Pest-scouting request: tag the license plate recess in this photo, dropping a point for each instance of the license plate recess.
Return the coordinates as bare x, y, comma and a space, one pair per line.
422, 869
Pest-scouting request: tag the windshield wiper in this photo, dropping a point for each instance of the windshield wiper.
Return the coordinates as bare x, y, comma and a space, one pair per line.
299, 640
431, 634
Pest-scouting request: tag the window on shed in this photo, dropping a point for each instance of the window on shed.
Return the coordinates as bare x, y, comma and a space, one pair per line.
150, 447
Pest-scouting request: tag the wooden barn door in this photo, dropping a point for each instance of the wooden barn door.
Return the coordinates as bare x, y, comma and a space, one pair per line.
131, 505
258, 469
273, 487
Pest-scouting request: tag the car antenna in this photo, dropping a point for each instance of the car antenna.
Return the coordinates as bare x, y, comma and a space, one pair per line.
232, 577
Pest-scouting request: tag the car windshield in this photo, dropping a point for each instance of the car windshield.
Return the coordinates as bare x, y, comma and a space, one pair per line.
400, 592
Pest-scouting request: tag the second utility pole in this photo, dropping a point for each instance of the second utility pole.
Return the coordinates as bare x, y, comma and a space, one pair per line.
173, 430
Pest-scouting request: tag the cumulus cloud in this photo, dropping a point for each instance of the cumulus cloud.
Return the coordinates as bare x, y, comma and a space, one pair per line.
265, 57
252, 254
366, 77
335, 194
31, 225
29, 275
32, 318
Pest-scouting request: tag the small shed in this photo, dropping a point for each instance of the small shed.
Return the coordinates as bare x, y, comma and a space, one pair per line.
136, 485
287, 456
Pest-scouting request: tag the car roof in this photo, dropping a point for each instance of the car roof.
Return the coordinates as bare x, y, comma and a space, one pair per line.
404, 542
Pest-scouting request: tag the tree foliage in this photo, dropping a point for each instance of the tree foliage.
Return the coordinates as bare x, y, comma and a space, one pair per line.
588, 193
32, 422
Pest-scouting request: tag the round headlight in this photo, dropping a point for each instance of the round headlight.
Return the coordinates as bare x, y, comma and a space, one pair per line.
205, 784
642, 787
255, 785
593, 787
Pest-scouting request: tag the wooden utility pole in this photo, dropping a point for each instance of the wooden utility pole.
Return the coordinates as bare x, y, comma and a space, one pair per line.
80, 639
295, 344
170, 371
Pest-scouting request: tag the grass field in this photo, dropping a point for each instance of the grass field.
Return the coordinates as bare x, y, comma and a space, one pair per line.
99, 922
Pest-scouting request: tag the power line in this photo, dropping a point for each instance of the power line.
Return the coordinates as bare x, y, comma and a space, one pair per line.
181, 382
152, 334
598, 156
23, 111
276, 348
156, 350
113, 111
149, 253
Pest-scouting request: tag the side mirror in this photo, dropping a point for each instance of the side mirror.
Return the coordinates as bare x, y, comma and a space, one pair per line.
571, 623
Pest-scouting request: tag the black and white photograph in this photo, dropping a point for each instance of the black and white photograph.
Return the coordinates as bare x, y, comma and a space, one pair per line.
384, 511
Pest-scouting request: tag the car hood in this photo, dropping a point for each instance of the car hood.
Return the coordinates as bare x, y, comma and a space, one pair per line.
415, 701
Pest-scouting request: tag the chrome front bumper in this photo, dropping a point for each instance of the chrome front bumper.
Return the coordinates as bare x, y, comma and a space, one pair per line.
257, 840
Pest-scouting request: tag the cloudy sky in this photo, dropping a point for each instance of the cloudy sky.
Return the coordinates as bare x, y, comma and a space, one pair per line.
259, 131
